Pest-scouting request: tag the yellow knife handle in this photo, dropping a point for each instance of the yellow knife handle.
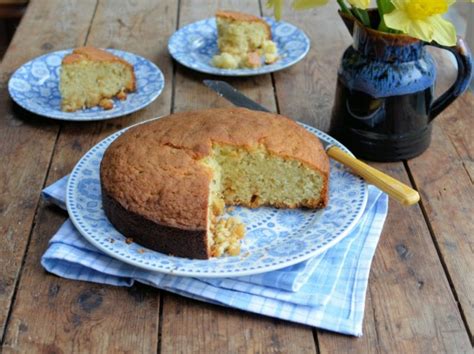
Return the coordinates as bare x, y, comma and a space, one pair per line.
394, 188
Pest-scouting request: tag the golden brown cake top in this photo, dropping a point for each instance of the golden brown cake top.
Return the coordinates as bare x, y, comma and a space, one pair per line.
92, 54
153, 169
240, 16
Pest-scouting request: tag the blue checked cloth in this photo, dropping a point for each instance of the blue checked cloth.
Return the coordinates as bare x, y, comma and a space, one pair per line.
327, 291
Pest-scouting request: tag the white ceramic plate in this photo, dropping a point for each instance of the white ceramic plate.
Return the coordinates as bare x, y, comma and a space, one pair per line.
35, 87
194, 46
276, 238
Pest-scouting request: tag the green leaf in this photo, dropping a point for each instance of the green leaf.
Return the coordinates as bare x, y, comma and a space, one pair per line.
384, 7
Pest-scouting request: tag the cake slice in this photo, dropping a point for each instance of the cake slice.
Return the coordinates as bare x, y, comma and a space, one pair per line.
91, 77
243, 40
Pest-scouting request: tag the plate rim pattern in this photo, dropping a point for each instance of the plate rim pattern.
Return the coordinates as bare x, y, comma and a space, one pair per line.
75, 116
265, 69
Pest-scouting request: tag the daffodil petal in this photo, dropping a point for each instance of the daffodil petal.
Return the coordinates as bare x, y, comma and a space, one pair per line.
444, 31
308, 4
398, 4
421, 30
397, 20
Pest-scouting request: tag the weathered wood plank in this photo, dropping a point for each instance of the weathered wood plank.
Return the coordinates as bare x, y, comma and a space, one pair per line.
444, 176
58, 314
305, 91
194, 327
190, 326
412, 299
26, 140
412, 308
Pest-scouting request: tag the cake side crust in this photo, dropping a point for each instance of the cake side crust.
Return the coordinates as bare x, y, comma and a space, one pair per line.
154, 182
93, 54
179, 195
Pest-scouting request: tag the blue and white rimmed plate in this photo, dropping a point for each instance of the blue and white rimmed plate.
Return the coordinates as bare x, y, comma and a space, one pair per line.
35, 87
276, 238
194, 46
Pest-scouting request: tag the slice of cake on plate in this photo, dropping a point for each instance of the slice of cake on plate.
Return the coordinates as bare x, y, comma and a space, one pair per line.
165, 183
244, 41
92, 77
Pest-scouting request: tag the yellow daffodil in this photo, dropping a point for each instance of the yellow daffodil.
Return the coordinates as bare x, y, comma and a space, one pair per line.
422, 19
360, 4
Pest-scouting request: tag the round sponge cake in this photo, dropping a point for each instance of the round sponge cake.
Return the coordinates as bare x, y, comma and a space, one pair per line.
164, 183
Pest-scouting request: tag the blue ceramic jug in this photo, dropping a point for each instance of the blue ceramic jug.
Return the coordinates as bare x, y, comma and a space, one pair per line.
384, 107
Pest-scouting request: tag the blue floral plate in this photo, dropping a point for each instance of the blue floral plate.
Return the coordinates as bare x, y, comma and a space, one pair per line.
35, 87
194, 46
275, 238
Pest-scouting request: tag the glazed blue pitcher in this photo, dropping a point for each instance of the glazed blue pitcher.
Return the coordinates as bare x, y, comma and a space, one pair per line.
384, 106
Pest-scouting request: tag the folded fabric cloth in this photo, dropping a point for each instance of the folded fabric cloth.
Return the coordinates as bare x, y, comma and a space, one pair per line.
326, 291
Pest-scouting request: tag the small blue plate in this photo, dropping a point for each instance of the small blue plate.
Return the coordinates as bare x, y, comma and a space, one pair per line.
275, 238
35, 87
194, 46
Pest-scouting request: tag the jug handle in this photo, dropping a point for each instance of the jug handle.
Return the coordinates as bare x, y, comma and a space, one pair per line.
464, 61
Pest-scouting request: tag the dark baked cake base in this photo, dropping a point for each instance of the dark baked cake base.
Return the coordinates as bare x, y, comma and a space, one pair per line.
164, 239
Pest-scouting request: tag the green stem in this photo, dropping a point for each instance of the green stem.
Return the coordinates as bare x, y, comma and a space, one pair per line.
362, 16
343, 6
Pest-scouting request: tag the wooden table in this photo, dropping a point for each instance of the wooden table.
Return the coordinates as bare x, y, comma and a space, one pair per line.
421, 290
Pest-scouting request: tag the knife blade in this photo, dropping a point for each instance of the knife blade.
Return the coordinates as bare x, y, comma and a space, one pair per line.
232, 95
394, 188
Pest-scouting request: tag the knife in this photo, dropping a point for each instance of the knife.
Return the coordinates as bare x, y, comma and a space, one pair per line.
394, 188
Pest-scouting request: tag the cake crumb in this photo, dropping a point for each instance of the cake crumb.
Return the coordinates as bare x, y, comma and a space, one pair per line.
112, 240
245, 255
106, 103
129, 240
141, 251
122, 95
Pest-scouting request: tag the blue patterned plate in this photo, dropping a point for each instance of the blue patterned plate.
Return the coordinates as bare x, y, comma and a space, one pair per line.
275, 238
194, 46
35, 87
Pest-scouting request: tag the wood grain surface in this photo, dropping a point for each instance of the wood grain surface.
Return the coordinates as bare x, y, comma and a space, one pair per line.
26, 141
188, 324
420, 296
445, 176
408, 287
78, 313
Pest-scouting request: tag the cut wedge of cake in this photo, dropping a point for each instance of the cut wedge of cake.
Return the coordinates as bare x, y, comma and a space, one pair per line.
166, 183
92, 77
244, 41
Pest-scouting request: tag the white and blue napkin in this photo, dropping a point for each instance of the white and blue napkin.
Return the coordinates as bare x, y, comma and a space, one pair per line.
327, 291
